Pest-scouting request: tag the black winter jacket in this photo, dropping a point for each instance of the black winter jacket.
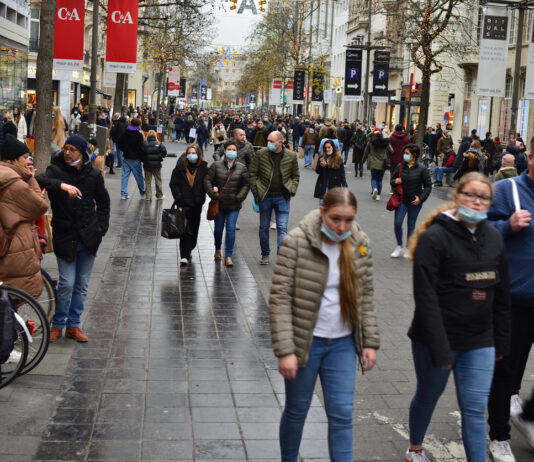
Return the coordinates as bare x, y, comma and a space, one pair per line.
464, 146
461, 290
183, 194
328, 178
237, 188
119, 127
153, 153
415, 182
83, 220
131, 144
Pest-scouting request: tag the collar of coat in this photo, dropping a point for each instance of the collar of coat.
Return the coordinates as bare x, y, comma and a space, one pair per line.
311, 226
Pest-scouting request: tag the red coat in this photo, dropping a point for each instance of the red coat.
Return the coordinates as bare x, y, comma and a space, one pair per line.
398, 140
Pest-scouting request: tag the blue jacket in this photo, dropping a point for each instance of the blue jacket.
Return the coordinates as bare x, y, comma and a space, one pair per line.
520, 245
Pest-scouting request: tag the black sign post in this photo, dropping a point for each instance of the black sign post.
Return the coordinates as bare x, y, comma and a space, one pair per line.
381, 76
317, 87
299, 78
194, 93
183, 83
353, 75
204, 93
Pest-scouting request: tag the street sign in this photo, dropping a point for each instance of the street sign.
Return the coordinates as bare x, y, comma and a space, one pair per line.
317, 90
298, 85
353, 75
381, 76
203, 93
183, 83
194, 93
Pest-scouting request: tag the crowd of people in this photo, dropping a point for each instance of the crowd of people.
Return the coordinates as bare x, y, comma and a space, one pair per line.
472, 257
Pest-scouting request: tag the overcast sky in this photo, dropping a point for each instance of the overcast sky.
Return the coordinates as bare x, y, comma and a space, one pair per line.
233, 28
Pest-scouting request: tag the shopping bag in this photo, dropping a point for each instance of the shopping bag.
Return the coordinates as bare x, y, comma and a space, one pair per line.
193, 133
301, 153
173, 222
48, 233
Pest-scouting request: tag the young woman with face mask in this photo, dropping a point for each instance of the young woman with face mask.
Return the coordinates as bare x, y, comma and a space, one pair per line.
330, 170
187, 187
234, 175
462, 313
322, 316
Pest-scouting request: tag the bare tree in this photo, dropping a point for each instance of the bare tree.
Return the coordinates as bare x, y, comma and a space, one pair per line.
43, 77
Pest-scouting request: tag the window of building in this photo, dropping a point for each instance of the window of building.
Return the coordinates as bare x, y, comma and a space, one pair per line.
34, 12
513, 20
508, 88
469, 89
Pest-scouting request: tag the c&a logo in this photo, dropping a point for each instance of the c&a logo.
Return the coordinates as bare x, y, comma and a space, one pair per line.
119, 18
65, 15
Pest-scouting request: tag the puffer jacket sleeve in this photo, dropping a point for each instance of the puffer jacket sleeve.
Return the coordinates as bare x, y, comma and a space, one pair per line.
209, 182
295, 176
281, 298
245, 188
253, 175
368, 323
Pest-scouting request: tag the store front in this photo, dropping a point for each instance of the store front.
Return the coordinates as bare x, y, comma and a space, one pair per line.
13, 72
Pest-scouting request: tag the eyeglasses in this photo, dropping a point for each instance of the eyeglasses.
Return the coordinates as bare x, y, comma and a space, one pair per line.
472, 197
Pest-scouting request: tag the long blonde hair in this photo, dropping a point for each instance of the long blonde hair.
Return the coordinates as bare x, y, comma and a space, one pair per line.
429, 219
347, 270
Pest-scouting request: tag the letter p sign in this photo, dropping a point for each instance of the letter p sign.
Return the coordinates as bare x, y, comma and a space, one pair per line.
352, 72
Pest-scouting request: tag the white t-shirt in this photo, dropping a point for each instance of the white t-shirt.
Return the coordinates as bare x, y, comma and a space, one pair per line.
329, 323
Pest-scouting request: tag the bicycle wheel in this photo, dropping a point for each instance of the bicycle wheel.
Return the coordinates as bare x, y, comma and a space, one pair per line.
35, 319
12, 367
47, 300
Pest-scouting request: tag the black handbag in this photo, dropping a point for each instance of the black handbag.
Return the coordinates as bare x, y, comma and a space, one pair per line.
173, 222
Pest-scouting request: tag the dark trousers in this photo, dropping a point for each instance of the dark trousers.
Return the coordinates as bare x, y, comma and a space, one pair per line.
528, 408
189, 241
509, 372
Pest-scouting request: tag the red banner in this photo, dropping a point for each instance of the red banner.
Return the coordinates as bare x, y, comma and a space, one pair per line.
121, 44
69, 34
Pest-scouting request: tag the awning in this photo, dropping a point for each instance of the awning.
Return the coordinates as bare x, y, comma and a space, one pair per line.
103, 93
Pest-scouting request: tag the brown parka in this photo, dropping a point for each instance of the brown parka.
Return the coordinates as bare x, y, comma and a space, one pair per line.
21, 203
299, 281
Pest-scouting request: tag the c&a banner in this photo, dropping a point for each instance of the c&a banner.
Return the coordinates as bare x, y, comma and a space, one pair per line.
121, 46
69, 34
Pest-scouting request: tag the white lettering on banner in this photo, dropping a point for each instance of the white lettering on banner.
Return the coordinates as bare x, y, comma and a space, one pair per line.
118, 18
65, 15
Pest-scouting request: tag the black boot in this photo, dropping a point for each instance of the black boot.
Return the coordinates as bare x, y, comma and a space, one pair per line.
111, 172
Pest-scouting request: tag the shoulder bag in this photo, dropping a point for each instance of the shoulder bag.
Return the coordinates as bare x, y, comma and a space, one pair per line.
213, 207
395, 200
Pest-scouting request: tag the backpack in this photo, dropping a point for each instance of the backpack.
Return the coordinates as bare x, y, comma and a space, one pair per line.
360, 143
8, 327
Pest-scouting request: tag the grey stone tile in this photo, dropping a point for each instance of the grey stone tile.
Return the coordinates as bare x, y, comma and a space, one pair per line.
219, 449
213, 414
220, 430
167, 450
262, 449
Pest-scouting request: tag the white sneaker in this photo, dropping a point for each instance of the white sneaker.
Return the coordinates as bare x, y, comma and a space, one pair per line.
501, 451
406, 254
14, 357
375, 194
416, 456
516, 405
378, 197
142, 196
184, 261
526, 428
160, 198
398, 252
124, 198
273, 225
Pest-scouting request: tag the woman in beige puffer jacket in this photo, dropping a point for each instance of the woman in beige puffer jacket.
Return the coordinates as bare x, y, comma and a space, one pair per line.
322, 316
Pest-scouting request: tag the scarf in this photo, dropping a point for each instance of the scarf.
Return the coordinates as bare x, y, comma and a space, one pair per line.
191, 176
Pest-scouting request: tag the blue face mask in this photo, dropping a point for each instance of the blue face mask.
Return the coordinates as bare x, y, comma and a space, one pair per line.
231, 155
192, 158
470, 216
271, 146
407, 158
329, 153
333, 236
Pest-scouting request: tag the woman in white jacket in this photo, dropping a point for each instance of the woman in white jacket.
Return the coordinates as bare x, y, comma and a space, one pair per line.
20, 121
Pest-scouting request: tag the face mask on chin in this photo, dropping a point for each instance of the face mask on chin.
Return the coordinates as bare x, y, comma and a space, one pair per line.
333, 236
470, 216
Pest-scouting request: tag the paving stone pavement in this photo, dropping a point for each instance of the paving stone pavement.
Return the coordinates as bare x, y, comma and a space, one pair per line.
179, 364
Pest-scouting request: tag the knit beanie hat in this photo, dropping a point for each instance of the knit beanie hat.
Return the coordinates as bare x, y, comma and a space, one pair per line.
78, 142
12, 148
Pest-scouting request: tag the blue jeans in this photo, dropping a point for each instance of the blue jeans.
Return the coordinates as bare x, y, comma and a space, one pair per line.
72, 288
400, 213
346, 149
334, 360
135, 167
440, 171
230, 218
376, 179
120, 159
473, 372
281, 213
309, 151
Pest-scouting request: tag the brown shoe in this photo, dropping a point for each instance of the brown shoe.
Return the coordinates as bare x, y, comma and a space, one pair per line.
218, 255
55, 333
76, 334
228, 262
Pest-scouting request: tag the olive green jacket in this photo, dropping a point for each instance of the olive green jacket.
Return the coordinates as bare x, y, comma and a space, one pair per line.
261, 172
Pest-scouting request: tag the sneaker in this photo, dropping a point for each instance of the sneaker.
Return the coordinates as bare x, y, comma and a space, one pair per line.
516, 405
438, 183
378, 197
142, 196
526, 428
184, 261
55, 333
407, 255
124, 198
501, 451
416, 456
237, 227
160, 198
14, 357
148, 198
398, 252
375, 193
264, 260
75, 333
273, 225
